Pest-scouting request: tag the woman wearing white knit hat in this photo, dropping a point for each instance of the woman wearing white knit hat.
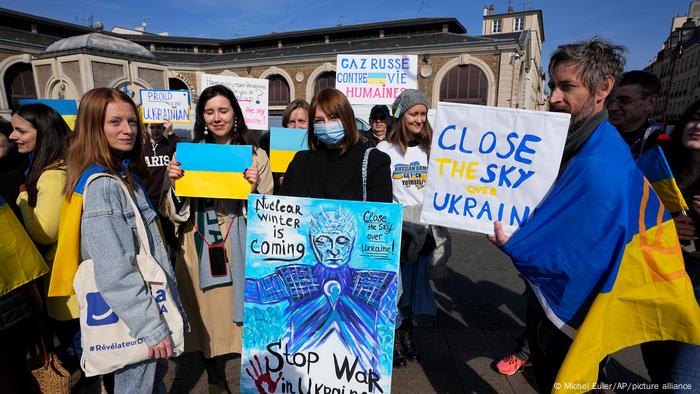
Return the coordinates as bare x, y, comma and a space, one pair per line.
422, 246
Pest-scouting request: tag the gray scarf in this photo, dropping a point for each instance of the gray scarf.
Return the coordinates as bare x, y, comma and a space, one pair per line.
208, 224
578, 136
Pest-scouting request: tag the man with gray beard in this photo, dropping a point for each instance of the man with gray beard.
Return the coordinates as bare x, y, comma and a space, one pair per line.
582, 75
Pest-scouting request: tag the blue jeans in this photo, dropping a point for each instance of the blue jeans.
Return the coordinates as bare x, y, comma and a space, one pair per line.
145, 377
685, 366
676, 362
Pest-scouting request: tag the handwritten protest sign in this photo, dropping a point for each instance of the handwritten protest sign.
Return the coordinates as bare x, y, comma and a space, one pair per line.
375, 79
320, 295
284, 144
213, 170
489, 163
158, 106
251, 93
68, 109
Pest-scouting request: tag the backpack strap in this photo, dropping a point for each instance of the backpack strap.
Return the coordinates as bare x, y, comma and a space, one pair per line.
365, 161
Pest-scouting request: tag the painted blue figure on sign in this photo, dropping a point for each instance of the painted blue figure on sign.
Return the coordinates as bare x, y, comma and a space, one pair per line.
330, 297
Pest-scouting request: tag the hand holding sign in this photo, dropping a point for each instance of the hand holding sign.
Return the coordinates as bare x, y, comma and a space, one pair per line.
175, 172
498, 238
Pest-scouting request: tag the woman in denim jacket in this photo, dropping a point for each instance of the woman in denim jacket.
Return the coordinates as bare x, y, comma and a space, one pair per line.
109, 139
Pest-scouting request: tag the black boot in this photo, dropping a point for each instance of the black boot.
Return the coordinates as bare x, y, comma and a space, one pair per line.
407, 346
399, 359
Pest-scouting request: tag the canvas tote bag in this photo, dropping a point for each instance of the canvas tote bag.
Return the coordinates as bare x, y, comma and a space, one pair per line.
107, 345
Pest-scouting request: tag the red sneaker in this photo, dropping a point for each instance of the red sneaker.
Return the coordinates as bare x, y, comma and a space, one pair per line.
510, 365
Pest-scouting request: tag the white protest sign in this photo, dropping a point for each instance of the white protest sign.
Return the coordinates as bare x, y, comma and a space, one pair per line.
251, 93
489, 163
158, 106
375, 79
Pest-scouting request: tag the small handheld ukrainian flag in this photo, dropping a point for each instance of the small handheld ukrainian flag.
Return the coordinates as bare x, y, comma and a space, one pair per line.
67, 108
214, 170
655, 168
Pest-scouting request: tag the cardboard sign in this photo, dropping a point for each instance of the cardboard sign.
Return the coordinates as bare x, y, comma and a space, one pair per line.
157, 106
320, 295
251, 93
214, 170
67, 108
489, 163
375, 79
284, 144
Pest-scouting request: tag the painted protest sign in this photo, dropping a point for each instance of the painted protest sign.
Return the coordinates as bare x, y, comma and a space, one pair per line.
375, 79
251, 93
68, 109
284, 144
320, 295
157, 106
489, 163
213, 170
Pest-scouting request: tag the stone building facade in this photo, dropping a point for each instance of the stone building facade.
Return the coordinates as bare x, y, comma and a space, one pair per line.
677, 65
45, 58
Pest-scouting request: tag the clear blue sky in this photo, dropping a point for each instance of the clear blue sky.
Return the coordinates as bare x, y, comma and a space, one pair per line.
640, 25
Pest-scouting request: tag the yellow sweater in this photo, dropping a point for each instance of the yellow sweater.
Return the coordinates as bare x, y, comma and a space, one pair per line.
41, 223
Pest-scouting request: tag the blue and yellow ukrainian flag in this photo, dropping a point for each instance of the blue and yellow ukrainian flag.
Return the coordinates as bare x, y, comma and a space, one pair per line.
603, 258
65, 264
376, 78
655, 168
21, 261
284, 144
67, 108
214, 170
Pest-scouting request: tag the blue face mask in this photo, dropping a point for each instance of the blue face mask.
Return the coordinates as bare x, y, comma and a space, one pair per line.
329, 133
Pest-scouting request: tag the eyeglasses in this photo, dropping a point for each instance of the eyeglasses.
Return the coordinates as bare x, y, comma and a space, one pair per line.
378, 119
624, 100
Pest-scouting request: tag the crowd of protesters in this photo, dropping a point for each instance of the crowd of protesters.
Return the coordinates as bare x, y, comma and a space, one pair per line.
43, 164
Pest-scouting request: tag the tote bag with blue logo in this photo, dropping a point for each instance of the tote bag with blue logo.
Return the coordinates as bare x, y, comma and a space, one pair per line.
107, 345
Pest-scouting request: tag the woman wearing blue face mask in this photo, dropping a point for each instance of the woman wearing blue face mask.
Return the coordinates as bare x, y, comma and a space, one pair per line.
333, 165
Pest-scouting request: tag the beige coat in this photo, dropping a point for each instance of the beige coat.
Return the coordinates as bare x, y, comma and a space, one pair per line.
209, 312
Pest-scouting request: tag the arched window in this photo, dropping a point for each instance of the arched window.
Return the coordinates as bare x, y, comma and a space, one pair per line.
19, 84
279, 90
324, 81
177, 84
464, 84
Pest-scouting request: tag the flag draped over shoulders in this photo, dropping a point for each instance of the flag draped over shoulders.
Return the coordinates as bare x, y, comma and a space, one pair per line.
65, 264
20, 261
603, 258
67, 258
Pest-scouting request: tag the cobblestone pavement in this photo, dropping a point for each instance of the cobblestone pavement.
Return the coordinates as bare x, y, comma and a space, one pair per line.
481, 313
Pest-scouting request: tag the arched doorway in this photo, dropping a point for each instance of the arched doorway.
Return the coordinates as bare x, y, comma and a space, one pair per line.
278, 91
324, 81
465, 84
19, 84
177, 84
